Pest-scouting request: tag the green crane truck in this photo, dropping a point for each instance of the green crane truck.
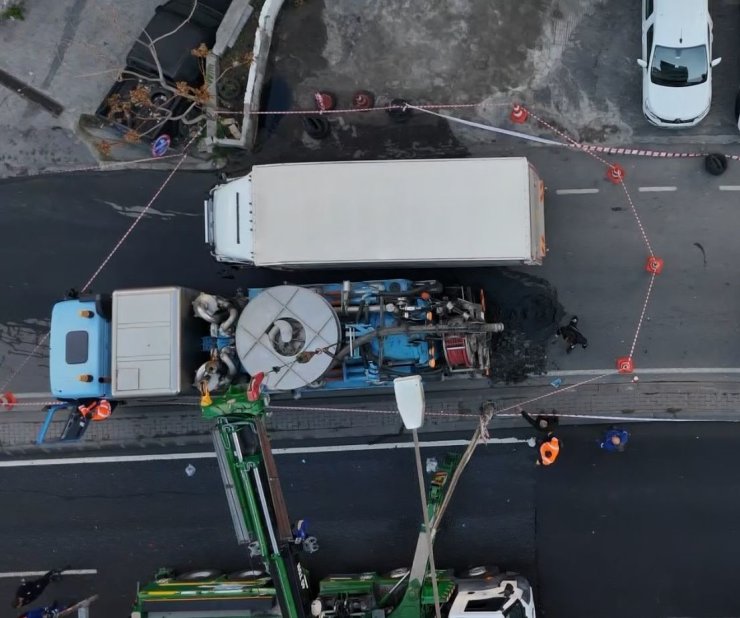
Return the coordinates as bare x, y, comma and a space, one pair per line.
261, 523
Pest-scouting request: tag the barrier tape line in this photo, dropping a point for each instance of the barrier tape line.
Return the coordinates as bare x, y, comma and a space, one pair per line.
141, 215
642, 315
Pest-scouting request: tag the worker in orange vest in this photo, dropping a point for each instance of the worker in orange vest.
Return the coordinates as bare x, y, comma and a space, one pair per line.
97, 410
549, 449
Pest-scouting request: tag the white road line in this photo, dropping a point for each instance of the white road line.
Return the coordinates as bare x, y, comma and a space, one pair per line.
575, 191
19, 574
655, 189
71, 461
729, 187
299, 450
340, 448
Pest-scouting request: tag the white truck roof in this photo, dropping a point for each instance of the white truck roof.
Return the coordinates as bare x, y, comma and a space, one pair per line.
374, 212
149, 342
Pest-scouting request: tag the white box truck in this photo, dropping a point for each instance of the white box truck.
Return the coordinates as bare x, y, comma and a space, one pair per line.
415, 212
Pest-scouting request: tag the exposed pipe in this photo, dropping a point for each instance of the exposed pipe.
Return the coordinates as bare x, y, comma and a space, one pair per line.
227, 325
384, 331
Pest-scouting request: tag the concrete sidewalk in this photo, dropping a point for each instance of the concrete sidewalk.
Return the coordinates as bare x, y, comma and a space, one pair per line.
69, 51
173, 425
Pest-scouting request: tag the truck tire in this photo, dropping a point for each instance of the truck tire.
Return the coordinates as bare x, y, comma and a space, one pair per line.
480, 572
246, 574
199, 575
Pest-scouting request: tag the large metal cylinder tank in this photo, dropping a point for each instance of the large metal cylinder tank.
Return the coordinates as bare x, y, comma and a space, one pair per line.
290, 333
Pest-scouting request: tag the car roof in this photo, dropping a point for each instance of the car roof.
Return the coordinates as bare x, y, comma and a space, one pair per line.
681, 23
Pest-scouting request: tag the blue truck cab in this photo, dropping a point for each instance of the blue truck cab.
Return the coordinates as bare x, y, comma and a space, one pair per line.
80, 348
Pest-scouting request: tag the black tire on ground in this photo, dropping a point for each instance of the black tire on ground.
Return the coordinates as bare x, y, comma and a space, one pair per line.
715, 163
230, 90
398, 114
199, 575
316, 127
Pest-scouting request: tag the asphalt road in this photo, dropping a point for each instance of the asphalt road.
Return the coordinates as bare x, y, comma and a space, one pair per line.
59, 228
651, 532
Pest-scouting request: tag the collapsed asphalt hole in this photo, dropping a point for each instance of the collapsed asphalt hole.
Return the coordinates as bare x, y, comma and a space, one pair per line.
529, 308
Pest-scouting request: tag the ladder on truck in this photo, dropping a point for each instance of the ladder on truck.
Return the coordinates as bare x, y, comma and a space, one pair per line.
255, 497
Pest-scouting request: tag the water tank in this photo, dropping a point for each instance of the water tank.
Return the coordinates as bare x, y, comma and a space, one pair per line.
278, 331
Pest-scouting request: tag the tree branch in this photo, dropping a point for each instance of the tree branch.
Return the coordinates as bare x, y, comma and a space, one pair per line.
187, 19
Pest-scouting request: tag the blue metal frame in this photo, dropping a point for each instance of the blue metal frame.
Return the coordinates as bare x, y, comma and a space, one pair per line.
66, 435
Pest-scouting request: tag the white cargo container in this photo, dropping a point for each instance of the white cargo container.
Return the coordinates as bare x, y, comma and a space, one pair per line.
427, 212
154, 347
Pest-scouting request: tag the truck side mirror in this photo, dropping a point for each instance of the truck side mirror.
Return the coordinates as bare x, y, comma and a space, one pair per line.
642, 63
716, 61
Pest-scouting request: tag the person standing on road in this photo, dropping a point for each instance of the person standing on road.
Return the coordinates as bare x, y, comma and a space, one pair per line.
31, 590
614, 440
548, 450
572, 335
545, 423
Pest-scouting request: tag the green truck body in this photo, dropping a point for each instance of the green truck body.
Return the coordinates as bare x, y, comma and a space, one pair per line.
260, 521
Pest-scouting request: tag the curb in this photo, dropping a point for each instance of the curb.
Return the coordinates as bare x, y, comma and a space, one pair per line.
352, 417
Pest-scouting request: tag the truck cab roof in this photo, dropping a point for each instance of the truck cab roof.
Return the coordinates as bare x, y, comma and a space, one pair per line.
79, 350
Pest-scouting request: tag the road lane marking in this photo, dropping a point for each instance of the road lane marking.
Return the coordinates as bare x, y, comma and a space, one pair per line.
575, 191
71, 461
729, 187
18, 574
341, 448
656, 189
299, 450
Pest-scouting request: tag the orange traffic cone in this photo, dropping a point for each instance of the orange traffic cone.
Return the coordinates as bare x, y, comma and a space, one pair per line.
654, 265
8, 400
625, 364
518, 114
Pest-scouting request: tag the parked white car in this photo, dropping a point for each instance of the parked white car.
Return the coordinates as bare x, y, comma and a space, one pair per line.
507, 595
676, 62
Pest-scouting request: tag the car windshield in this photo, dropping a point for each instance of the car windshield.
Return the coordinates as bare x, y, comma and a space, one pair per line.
676, 66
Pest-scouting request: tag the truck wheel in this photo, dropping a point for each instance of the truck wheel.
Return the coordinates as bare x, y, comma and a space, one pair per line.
246, 574
316, 127
480, 572
200, 575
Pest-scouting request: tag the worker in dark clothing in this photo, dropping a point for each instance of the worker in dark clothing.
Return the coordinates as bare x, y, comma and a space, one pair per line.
31, 590
542, 422
572, 335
